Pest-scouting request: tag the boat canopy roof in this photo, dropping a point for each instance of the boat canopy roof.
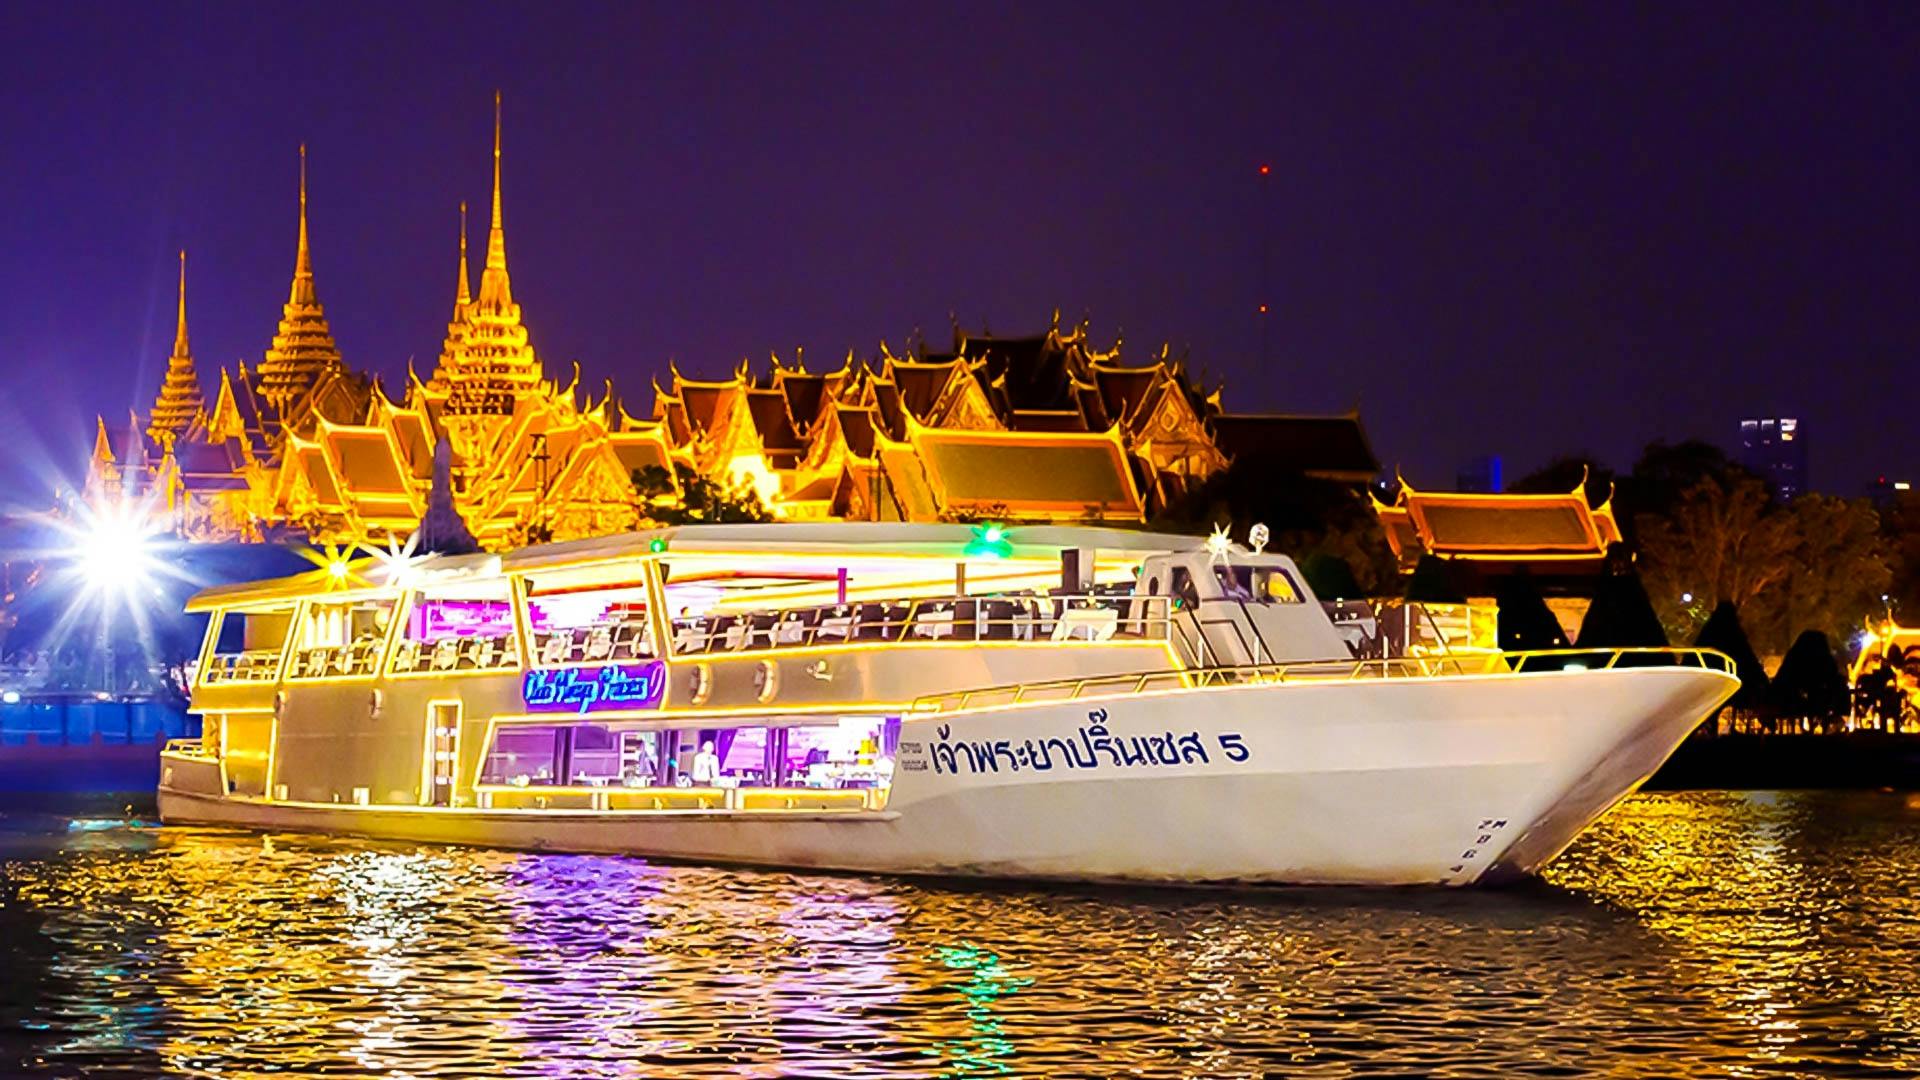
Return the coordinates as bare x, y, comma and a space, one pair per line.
960, 543
828, 538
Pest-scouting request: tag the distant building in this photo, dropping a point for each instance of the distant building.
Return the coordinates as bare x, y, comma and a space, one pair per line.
1483, 475
1884, 492
1776, 448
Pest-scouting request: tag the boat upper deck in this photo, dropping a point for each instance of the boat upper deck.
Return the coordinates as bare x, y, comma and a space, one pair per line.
695, 592
871, 544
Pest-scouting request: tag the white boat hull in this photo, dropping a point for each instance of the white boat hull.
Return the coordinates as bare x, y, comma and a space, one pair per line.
1455, 780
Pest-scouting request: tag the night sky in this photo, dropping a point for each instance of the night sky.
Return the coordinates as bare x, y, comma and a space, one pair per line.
1524, 231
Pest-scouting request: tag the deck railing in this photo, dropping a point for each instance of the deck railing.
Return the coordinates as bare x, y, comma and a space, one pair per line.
1410, 667
1059, 617
257, 665
488, 652
193, 748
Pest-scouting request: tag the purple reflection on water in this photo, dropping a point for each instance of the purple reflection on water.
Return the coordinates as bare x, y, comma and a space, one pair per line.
609, 952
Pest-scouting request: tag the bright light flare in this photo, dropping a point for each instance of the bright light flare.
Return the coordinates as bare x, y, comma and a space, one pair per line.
333, 559
396, 563
751, 472
113, 551
1219, 545
115, 560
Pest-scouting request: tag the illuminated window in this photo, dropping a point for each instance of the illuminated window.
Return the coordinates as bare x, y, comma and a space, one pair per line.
1257, 584
246, 646
467, 627
590, 625
341, 639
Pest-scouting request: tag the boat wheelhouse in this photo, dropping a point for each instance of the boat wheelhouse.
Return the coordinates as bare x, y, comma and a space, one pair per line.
1042, 702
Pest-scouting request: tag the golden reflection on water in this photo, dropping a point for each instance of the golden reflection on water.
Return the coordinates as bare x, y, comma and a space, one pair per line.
1697, 934
1802, 910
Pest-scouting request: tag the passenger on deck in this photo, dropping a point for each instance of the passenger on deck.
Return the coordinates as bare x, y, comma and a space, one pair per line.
706, 766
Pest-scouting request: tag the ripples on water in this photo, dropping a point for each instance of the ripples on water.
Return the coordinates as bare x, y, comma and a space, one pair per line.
1687, 935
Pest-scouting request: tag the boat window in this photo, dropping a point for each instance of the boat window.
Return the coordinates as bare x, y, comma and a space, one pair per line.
842, 754
590, 626
247, 645
1185, 593
573, 755
1257, 584
850, 752
463, 627
339, 639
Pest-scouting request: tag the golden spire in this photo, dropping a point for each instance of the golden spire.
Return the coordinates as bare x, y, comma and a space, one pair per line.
461, 296
462, 310
302, 291
303, 352
180, 324
486, 363
179, 402
496, 293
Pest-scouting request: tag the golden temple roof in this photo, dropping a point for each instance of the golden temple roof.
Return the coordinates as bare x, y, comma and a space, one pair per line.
303, 352
487, 362
462, 298
1549, 527
180, 400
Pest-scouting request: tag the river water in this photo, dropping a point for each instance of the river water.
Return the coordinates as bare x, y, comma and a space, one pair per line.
1695, 935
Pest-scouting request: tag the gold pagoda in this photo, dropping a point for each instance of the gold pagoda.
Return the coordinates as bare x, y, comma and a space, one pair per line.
1048, 427
180, 402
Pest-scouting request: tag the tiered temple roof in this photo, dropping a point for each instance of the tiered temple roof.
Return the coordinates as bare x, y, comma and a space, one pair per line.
940, 435
302, 375
1046, 427
180, 400
1559, 533
487, 362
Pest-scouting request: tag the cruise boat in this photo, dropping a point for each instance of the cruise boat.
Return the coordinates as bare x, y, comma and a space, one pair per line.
1047, 702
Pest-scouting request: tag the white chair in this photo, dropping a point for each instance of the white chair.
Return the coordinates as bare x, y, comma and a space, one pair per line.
484, 652
690, 637
599, 644
1089, 624
934, 624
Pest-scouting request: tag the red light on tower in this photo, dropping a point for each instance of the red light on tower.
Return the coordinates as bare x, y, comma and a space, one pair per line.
1263, 309
1265, 169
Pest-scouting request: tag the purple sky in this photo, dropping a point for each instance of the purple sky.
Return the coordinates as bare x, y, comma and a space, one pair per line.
1523, 231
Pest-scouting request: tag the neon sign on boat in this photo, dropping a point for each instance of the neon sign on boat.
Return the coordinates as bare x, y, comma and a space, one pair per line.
586, 690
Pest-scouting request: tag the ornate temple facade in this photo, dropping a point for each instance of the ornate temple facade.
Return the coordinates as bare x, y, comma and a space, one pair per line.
1048, 427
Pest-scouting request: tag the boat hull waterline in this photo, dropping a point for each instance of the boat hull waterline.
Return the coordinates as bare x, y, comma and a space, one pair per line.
1453, 780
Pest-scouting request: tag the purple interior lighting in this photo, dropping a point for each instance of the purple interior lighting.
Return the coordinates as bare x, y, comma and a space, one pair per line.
436, 620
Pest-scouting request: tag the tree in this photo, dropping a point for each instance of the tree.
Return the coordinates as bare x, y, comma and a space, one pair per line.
1436, 581
1564, 474
1900, 525
1307, 516
1331, 577
1722, 540
1841, 567
1723, 633
1665, 473
1809, 684
1525, 621
1621, 616
699, 501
